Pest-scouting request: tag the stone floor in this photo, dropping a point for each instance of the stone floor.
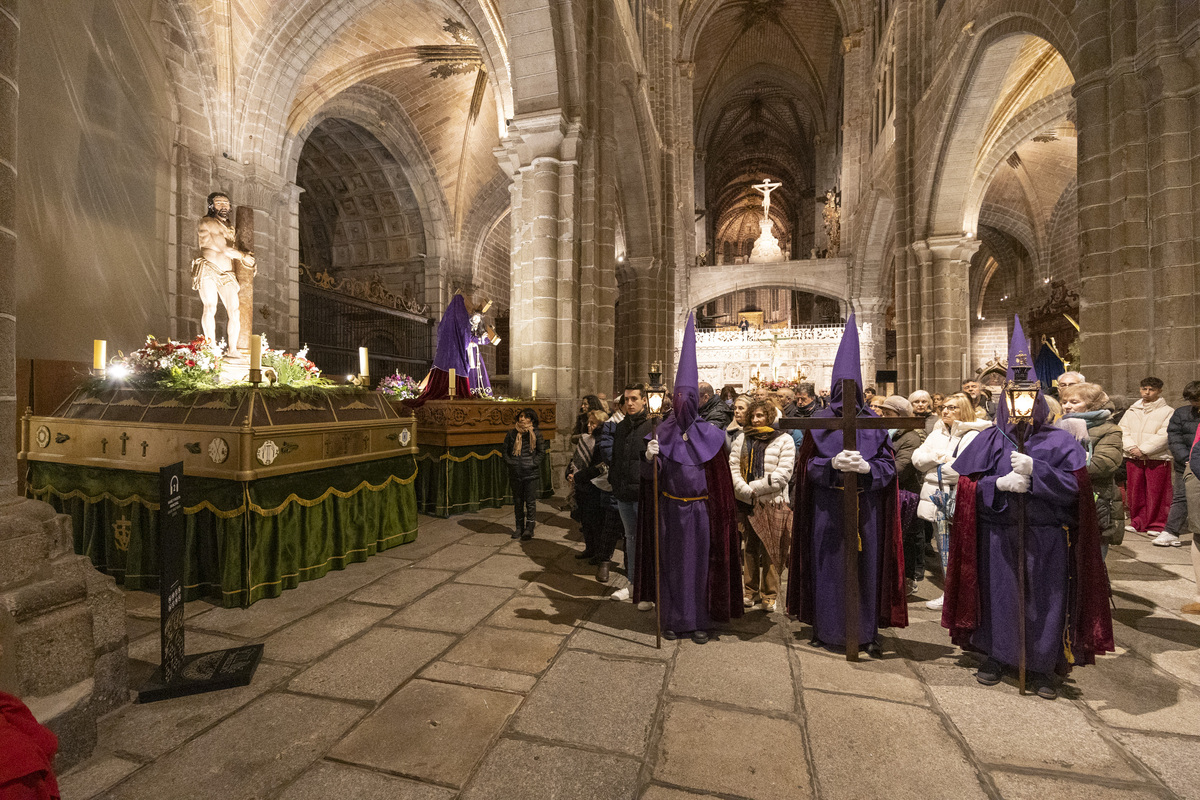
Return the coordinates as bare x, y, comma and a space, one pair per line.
467, 665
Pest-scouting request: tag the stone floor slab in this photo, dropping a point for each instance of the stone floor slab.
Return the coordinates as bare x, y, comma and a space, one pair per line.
482, 677
401, 587
595, 701
544, 614
455, 557
562, 584
94, 776
496, 535
432, 731
887, 679
453, 607
847, 733
732, 752
535, 771
515, 651
276, 738
372, 666
274, 613
511, 571
317, 634
1129, 693
620, 629
150, 730
327, 780
1002, 727
1014, 786
1175, 759
760, 670
667, 793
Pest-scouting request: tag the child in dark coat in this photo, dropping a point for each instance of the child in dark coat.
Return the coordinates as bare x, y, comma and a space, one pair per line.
524, 451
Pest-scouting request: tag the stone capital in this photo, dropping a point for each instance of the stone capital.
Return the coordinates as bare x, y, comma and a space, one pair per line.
538, 136
946, 248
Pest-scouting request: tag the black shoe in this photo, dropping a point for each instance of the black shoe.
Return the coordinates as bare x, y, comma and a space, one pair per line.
875, 650
516, 534
670, 636
602, 572
583, 555
1043, 685
527, 535
815, 642
990, 673
700, 637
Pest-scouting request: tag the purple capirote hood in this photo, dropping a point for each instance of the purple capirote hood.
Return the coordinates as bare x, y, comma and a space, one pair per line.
684, 437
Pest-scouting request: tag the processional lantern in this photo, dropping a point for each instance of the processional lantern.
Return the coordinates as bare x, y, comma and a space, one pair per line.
1022, 392
656, 393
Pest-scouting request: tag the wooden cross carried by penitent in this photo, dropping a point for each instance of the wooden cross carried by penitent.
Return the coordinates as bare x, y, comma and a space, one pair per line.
850, 426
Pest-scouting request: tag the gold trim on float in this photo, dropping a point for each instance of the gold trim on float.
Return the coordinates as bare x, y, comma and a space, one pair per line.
77, 494
448, 457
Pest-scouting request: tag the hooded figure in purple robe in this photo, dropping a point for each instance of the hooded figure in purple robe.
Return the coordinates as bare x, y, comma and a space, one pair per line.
816, 586
1067, 617
697, 535
453, 337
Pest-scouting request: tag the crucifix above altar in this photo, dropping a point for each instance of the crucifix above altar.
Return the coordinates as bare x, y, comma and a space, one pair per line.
766, 247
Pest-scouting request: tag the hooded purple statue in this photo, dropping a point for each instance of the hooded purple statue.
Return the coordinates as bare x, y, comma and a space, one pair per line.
816, 590
1066, 613
453, 337
698, 540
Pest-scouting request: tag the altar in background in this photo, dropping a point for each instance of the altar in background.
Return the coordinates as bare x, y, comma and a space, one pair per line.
732, 357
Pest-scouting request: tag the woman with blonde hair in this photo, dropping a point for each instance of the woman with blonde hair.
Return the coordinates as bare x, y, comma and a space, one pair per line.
1086, 402
950, 436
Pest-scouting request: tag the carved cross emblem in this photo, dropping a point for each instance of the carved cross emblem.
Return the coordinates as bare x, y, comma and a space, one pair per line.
122, 529
124, 437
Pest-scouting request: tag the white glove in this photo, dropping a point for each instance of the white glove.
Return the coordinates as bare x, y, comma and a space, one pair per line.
850, 461
651, 449
1022, 464
1014, 482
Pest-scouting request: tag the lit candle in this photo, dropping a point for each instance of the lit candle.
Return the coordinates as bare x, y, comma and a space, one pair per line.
453, 386
535, 386
255, 351
362, 362
99, 353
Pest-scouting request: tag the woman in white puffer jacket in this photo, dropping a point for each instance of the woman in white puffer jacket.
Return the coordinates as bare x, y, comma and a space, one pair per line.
950, 436
761, 462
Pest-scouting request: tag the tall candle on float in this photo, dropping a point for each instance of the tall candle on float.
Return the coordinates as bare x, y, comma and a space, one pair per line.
918, 377
99, 353
535, 386
255, 351
453, 385
362, 362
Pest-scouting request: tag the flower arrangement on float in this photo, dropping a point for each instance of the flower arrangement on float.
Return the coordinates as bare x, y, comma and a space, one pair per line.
399, 386
292, 369
184, 365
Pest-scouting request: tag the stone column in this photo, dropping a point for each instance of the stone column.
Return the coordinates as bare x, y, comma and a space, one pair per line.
63, 648
946, 301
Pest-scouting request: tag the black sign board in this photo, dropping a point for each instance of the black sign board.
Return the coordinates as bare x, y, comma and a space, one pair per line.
171, 530
181, 675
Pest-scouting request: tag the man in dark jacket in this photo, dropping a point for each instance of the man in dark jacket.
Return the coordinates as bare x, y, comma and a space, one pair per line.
524, 452
1181, 432
625, 470
713, 408
806, 400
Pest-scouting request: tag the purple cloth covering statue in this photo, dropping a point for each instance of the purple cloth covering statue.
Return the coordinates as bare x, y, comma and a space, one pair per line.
453, 336
698, 540
816, 590
1053, 571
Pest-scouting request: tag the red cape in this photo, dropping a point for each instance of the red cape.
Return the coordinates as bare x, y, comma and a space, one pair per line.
724, 546
801, 593
26, 754
1089, 619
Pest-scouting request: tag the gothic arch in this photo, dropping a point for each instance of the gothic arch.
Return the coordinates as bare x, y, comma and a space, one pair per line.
368, 107
826, 277
941, 209
693, 21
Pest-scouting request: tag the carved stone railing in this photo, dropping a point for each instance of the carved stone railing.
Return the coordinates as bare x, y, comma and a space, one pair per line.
370, 289
808, 333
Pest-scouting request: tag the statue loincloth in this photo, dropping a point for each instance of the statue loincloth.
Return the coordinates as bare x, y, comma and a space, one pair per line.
203, 269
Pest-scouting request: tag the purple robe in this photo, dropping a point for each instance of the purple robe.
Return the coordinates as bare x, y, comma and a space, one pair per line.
1052, 513
453, 335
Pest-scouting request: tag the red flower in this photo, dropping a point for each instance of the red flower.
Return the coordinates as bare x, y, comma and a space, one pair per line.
191, 362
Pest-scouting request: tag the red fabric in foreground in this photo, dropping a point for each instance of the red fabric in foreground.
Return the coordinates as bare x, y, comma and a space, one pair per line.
1149, 491
437, 387
26, 754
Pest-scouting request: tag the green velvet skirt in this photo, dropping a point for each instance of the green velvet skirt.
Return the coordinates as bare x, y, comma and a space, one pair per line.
456, 480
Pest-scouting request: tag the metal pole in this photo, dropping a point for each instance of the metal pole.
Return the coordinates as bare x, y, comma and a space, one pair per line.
657, 564
1022, 523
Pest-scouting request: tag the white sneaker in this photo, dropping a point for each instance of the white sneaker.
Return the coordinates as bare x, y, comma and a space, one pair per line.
1131, 529
1167, 539
936, 605
645, 605
620, 595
